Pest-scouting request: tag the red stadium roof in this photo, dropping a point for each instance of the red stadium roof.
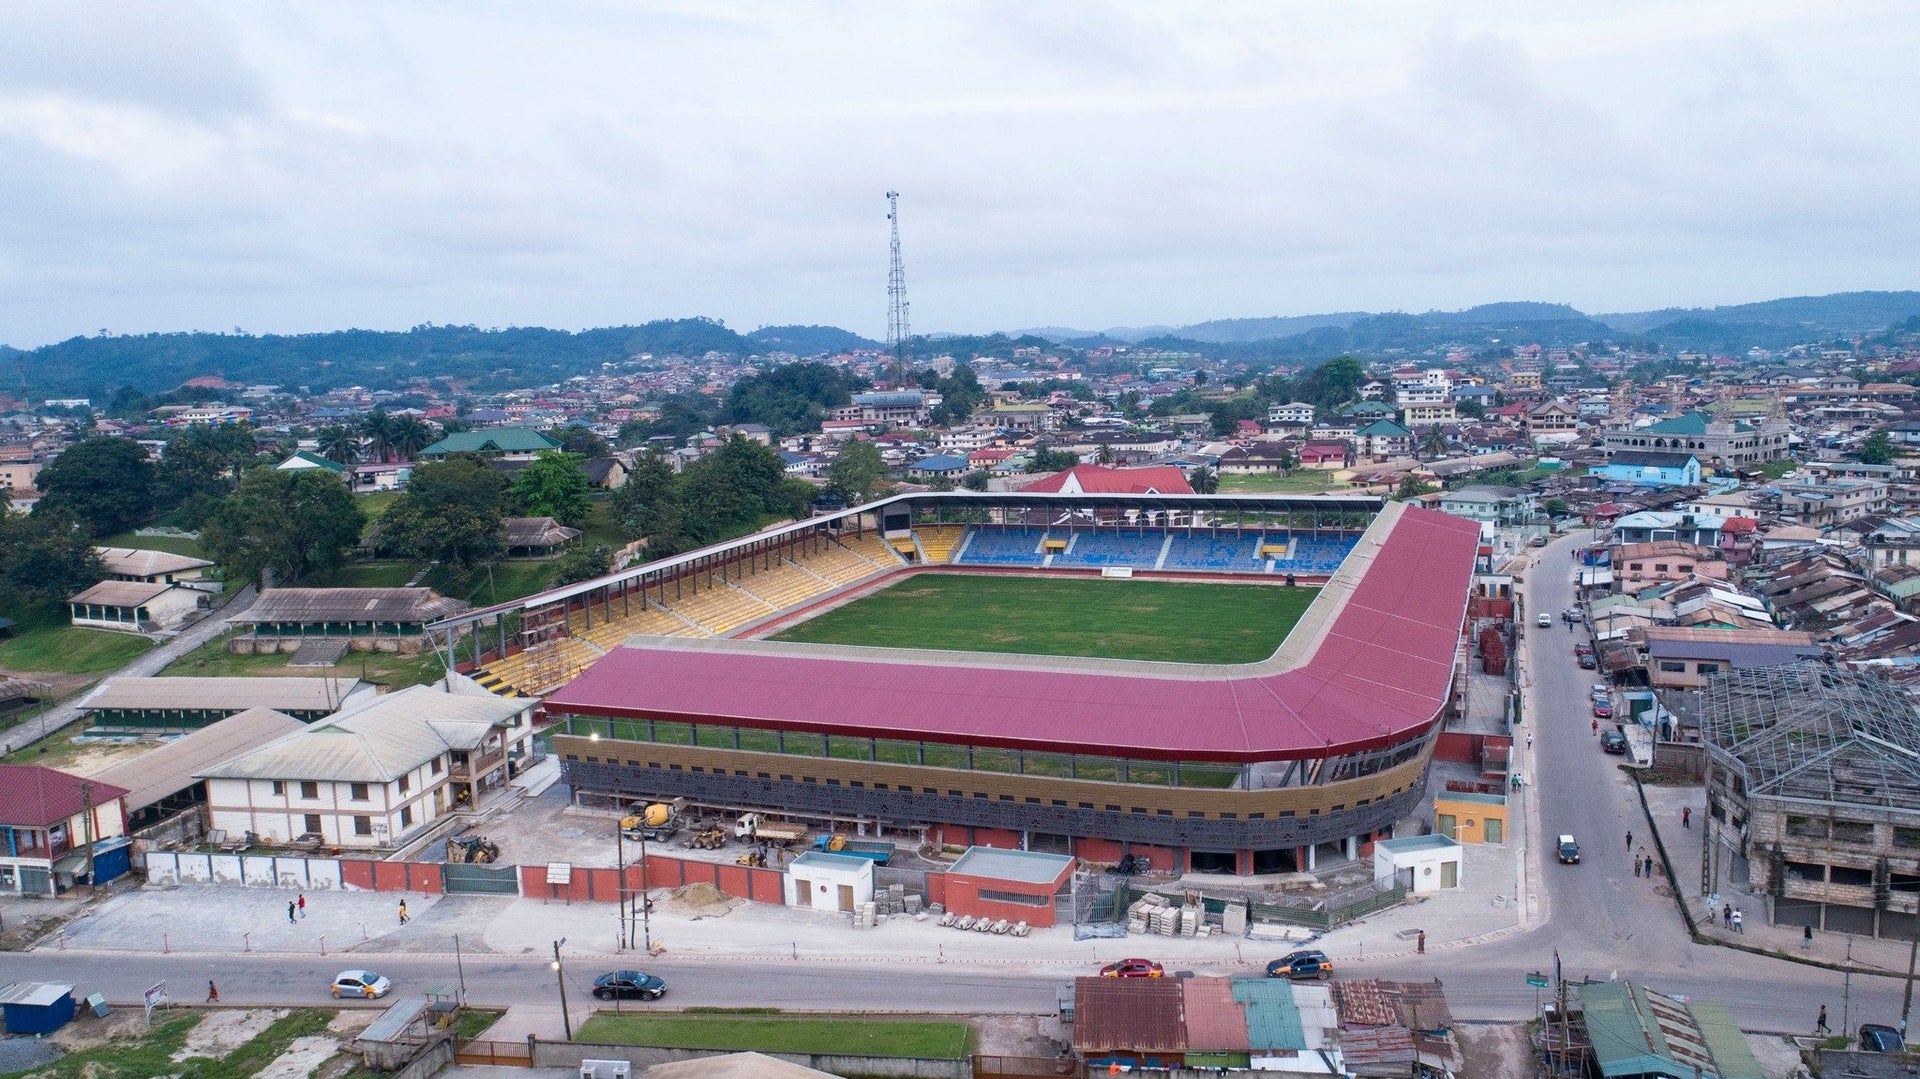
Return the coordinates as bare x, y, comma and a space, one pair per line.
1369, 665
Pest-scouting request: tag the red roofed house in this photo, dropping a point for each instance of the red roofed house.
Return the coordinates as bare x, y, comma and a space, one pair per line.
47, 820
1101, 480
1324, 455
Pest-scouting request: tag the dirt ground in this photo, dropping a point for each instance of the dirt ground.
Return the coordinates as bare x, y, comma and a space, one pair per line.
1496, 1051
1020, 1035
223, 1031
91, 760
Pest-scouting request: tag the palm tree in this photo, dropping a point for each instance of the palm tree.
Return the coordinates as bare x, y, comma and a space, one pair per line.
408, 435
1435, 444
378, 427
1203, 481
339, 443
1105, 456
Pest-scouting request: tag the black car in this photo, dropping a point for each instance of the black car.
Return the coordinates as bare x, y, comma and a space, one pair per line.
1569, 851
1613, 741
1879, 1038
629, 984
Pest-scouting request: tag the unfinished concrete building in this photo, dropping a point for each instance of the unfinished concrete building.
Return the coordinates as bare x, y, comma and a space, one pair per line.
1813, 788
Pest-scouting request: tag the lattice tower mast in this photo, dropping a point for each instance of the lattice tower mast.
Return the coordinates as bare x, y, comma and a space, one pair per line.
899, 335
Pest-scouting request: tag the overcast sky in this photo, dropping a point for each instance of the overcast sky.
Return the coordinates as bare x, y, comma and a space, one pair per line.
291, 167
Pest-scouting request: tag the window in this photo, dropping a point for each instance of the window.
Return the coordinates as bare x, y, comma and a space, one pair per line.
406, 784
313, 824
357, 792
406, 816
279, 788
1708, 668
363, 826
436, 764
310, 791
1673, 666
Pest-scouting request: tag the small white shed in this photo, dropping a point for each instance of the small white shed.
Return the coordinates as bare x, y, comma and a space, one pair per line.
835, 882
1424, 863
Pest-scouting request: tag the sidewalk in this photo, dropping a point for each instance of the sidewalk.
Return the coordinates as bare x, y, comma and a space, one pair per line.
1683, 846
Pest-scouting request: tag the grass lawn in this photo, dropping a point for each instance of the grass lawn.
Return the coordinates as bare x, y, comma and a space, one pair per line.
781, 1034
1114, 619
1300, 481
378, 573
70, 649
170, 544
152, 1054
212, 660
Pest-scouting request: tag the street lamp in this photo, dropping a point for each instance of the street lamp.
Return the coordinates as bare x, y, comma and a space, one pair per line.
560, 979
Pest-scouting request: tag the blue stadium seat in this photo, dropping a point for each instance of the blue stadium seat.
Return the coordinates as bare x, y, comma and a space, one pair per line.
996, 546
1139, 550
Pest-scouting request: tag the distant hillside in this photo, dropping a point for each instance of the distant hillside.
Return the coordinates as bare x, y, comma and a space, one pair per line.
1841, 313
479, 359
808, 340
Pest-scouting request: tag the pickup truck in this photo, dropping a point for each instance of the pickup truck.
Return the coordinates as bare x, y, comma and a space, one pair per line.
880, 851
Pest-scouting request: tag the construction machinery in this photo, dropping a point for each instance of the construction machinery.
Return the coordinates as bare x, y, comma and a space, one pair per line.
755, 857
462, 849
709, 837
654, 822
752, 828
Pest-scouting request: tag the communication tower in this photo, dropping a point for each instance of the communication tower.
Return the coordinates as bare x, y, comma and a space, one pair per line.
898, 333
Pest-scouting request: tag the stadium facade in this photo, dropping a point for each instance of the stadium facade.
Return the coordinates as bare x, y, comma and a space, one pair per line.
1218, 768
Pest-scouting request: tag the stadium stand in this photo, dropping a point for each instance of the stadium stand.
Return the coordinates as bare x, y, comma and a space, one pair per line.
995, 546
1139, 550
786, 584
845, 563
722, 608
1231, 552
939, 541
655, 620
1316, 555
539, 669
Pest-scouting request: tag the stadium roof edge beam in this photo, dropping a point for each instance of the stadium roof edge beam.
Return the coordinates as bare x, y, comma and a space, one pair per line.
1370, 665
1273, 503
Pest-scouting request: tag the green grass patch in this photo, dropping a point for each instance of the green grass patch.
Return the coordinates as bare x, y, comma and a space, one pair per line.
70, 650
498, 583
760, 1032
376, 573
474, 1022
152, 1054
1115, 619
1300, 480
390, 669
171, 544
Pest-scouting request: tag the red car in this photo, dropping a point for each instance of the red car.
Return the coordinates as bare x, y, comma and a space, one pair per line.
1602, 710
1133, 968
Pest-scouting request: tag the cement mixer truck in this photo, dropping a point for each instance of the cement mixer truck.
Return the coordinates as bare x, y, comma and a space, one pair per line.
653, 822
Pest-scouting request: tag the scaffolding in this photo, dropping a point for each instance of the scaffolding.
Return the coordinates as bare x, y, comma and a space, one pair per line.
1811, 732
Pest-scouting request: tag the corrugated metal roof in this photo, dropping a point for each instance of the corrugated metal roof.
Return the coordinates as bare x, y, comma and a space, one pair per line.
376, 744
35, 797
170, 768
1215, 1021
1368, 664
1635, 1030
349, 605
220, 694
1732, 1057
1273, 1022
121, 593
393, 1022
1136, 1014
133, 562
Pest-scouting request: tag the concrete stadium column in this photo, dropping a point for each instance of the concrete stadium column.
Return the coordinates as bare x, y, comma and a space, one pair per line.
1353, 846
1310, 855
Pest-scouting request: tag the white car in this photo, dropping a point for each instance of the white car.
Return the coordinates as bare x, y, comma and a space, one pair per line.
1545, 621
364, 984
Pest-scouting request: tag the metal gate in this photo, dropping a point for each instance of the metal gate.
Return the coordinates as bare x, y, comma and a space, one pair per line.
462, 879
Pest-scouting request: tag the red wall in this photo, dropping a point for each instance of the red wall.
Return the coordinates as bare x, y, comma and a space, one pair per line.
602, 885
963, 897
391, 876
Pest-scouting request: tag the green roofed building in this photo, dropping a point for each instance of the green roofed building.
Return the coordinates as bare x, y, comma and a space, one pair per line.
1719, 442
1637, 1032
507, 442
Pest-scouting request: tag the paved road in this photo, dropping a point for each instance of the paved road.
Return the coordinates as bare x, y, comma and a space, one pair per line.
146, 664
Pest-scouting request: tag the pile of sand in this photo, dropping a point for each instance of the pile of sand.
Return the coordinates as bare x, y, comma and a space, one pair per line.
700, 900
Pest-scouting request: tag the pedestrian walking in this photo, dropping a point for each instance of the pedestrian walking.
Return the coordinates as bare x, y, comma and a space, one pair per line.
1420, 946
403, 912
1649, 867
1629, 840
1529, 739
213, 992
1820, 1024
302, 903
1596, 728
1686, 816
1806, 936
289, 912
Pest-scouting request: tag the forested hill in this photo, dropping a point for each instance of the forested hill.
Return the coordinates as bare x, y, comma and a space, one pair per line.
479, 359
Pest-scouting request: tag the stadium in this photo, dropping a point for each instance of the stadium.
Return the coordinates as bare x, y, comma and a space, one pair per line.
1296, 658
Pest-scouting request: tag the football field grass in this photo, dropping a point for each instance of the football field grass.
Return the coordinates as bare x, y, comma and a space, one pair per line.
1059, 616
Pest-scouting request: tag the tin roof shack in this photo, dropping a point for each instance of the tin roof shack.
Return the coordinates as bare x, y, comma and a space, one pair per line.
1637, 1032
48, 820
134, 607
1684, 657
1268, 1024
1388, 1027
36, 1008
1810, 770
372, 619
190, 703
154, 567
1017, 885
405, 1030
835, 882
161, 782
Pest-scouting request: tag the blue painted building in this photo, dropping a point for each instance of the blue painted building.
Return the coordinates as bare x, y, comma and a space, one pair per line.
1647, 468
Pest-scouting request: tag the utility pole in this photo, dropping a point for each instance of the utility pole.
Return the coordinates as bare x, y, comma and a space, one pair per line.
1906, 1002
86, 826
899, 334
560, 979
620, 888
646, 920
1846, 990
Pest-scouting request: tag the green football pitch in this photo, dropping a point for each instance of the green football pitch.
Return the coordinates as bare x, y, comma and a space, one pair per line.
1061, 616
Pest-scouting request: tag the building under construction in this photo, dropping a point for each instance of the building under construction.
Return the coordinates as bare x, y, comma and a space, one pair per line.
1813, 782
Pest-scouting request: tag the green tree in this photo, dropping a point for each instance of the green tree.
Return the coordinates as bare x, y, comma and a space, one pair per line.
450, 514
339, 443
857, 473
1434, 443
1471, 409
734, 489
377, 426
580, 439
408, 435
44, 558
1555, 507
104, 483
648, 503
581, 564
552, 485
1203, 480
1877, 449
1046, 459
1105, 456
975, 480
295, 524
789, 399
1411, 486
201, 465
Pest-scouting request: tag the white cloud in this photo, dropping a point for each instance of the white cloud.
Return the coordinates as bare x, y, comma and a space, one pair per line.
309, 166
